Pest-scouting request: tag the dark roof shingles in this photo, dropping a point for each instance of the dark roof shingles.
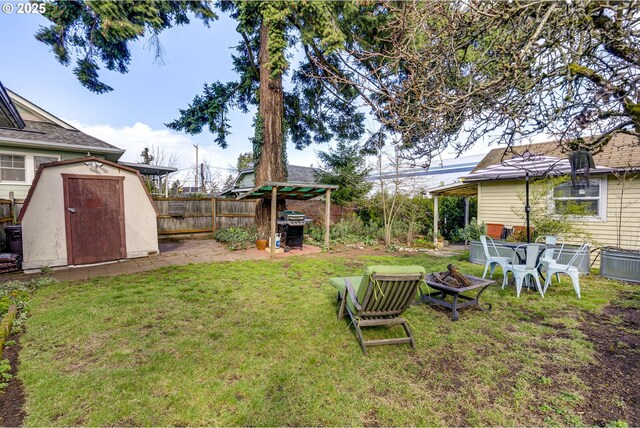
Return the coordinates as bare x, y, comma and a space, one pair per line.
50, 133
623, 151
300, 174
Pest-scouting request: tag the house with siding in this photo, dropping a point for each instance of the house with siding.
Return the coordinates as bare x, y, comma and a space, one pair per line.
245, 180
31, 136
611, 205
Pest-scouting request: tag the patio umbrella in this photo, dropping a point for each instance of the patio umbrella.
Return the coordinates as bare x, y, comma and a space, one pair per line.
526, 166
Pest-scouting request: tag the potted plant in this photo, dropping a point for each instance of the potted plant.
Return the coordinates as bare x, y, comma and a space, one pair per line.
261, 243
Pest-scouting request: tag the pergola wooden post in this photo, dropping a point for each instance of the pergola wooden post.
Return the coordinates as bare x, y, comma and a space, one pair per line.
274, 215
435, 219
466, 211
327, 217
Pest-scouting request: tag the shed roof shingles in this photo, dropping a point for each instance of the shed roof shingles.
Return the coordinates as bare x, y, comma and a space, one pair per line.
623, 151
50, 133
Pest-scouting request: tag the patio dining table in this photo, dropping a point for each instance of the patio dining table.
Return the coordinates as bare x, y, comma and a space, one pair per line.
522, 257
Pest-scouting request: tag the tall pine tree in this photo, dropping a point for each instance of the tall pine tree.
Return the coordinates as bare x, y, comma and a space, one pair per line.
346, 167
313, 111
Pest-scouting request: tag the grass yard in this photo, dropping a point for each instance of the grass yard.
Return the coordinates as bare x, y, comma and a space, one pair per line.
258, 343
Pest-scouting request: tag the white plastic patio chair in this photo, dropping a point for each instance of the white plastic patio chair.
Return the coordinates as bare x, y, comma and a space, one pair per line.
550, 254
570, 269
527, 270
492, 261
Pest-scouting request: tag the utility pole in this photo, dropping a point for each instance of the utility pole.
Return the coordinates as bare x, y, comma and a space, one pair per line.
197, 164
204, 190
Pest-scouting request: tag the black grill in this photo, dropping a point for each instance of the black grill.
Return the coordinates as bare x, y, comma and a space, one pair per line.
291, 228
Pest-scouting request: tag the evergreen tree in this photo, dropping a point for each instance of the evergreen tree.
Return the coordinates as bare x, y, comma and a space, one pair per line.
245, 161
314, 111
146, 157
228, 182
176, 188
344, 166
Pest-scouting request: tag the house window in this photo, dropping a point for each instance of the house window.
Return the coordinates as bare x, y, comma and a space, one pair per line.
39, 160
585, 202
12, 168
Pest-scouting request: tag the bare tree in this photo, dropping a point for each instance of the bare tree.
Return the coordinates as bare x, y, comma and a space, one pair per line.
162, 158
444, 74
210, 178
394, 193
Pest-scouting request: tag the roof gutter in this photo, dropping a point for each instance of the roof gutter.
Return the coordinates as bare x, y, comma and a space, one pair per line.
61, 146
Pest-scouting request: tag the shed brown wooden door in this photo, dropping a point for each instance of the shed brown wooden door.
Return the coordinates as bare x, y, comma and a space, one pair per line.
94, 213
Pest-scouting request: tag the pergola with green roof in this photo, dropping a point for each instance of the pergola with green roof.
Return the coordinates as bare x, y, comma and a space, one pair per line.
275, 190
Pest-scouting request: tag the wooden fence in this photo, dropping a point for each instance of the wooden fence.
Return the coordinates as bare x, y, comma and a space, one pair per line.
7, 209
197, 215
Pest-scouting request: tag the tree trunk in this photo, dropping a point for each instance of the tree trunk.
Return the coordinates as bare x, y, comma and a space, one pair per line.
270, 165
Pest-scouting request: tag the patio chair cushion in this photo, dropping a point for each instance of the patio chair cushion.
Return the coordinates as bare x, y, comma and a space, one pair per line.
386, 270
370, 270
356, 281
340, 284
360, 282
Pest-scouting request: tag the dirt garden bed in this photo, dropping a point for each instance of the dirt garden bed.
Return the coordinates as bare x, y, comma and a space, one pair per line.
12, 398
613, 377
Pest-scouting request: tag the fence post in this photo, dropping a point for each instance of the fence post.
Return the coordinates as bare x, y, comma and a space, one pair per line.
274, 215
213, 214
327, 218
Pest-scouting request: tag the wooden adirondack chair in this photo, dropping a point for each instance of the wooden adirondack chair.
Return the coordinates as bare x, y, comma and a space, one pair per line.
379, 298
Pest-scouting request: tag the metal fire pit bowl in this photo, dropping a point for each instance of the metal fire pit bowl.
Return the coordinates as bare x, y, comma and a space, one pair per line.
459, 300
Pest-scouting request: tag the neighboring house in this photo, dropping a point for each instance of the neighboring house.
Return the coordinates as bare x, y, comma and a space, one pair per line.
31, 136
500, 195
245, 180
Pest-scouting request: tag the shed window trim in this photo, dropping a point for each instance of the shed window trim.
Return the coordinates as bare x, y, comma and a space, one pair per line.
601, 199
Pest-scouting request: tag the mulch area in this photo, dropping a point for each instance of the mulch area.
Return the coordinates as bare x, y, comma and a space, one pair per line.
12, 399
613, 378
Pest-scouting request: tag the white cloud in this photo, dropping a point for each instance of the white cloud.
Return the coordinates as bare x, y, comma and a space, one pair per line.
135, 138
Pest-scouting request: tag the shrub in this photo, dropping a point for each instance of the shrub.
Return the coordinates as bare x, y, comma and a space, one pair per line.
350, 229
423, 242
5, 302
451, 209
5, 373
470, 232
236, 238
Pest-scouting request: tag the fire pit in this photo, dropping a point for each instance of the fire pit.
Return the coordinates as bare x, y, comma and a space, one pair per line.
453, 283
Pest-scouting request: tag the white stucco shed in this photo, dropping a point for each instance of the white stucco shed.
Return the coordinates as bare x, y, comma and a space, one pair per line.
84, 211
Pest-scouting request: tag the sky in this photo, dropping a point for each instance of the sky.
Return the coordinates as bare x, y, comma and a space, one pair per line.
133, 115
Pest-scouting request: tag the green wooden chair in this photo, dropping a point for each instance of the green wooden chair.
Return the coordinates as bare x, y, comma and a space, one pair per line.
377, 298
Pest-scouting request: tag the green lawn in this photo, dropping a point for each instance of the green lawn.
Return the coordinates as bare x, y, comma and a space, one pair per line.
258, 343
